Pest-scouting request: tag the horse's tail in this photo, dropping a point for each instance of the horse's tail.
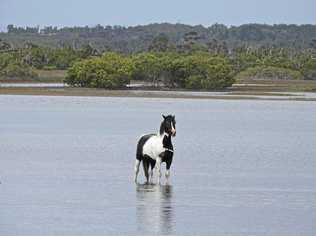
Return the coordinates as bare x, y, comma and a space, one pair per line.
139, 150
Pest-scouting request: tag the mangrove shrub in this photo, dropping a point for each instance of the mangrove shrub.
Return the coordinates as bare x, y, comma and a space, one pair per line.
111, 71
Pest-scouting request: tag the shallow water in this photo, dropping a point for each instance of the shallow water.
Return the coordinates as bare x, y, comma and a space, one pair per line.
191, 94
240, 167
33, 85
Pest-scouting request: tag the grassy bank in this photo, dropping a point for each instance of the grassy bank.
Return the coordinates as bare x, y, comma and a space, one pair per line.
258, 86
242, 89
233, 95
57, 76
44, 76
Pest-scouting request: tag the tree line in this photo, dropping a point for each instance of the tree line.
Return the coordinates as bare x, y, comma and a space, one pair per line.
191, 64
137, 38
191, 69
23, 62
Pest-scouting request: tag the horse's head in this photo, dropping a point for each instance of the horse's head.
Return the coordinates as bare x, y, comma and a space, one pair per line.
168, 125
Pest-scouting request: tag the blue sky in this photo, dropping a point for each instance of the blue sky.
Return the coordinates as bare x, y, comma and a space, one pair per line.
134, 12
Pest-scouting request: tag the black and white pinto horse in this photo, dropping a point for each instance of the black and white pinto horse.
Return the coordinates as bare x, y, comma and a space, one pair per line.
154, 149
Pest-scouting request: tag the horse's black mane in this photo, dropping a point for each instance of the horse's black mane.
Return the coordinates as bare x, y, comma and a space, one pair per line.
162, 128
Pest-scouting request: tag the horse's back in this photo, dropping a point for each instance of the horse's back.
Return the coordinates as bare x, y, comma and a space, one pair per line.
140, 145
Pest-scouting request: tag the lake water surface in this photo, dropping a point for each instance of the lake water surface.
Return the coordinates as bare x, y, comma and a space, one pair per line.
240, 167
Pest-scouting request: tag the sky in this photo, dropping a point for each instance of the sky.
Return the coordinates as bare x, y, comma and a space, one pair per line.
140, 12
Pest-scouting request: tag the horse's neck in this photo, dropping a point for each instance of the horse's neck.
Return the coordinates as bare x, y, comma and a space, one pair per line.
162, 135
166, 138
166, 141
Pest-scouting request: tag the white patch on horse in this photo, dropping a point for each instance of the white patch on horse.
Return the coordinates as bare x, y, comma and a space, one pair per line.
154, 147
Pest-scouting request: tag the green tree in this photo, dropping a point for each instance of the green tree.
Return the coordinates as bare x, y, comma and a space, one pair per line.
4, 45
160, 43
87, 50
148, 67
111, 71
309, 69
201, 71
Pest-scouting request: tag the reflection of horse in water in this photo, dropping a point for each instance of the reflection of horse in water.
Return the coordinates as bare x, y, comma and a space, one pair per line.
154, 208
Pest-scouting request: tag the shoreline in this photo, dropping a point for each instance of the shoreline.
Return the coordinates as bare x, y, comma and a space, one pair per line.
91, 92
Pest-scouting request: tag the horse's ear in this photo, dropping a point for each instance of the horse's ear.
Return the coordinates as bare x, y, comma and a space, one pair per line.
164, 117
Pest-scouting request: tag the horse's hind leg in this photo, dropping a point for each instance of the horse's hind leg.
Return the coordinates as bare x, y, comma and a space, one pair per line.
146, 168
151, 171
136, 169
158, 166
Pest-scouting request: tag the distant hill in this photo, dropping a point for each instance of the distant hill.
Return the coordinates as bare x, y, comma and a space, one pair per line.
139, 38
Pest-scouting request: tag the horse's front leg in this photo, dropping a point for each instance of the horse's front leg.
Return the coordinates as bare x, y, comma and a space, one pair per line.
167, 175
168, 165
136, 169
158, 166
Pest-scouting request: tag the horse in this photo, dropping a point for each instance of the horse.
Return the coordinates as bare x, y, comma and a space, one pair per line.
154, 149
